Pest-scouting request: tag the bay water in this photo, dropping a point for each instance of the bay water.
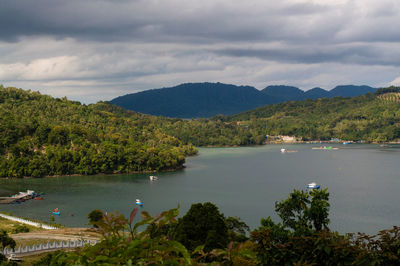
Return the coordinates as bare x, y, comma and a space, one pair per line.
363, 181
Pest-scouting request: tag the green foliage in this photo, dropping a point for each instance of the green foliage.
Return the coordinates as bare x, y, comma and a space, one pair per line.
387, 90
237, 229
305, 212
5, 241
123, 244
20, 228
43, 136
94, 217
204, 225
52, 259
369, 117
214, 132
304, 239
380, 249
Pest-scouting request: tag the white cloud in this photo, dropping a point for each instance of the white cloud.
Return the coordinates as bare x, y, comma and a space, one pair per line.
92, 51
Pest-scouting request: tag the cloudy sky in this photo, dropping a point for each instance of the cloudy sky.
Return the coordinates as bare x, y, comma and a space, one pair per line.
91, 50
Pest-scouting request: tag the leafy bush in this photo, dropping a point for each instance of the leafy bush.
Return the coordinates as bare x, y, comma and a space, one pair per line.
20, 228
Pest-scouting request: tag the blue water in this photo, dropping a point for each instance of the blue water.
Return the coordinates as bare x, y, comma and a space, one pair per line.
363, 181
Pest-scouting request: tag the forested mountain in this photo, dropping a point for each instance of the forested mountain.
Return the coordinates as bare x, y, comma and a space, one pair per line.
370, 117
196, 100
316, 93
284, 93
289, 93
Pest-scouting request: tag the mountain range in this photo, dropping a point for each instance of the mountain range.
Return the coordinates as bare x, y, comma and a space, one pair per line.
202, 100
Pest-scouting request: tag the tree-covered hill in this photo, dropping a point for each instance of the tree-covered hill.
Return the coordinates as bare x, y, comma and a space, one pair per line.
41, 136
371, 117
44, 136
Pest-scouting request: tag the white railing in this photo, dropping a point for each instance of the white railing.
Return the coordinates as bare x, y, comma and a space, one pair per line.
48, 246
24, 221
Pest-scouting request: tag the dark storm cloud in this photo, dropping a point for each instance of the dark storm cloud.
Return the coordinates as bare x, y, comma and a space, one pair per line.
115, 46
77, 19
193, 22
148, 20
360, 54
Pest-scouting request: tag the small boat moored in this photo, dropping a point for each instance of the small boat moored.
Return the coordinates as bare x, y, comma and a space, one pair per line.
153, 178
56, 211
139, 202
313, 185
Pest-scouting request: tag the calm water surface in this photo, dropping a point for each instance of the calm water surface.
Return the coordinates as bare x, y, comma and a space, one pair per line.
363, 181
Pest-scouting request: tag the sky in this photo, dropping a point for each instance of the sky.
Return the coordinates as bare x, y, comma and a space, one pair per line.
92, 50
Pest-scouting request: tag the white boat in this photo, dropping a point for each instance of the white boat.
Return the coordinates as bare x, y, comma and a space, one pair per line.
153, 177
313, 185
139, 202
24, 194
287, 151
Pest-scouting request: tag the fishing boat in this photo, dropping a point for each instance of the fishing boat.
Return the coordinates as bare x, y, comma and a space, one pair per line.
56, 211
38, 198
313, 185
153, 178
139, 202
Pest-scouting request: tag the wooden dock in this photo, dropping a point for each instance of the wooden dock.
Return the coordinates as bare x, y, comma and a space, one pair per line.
6, 200
22, 196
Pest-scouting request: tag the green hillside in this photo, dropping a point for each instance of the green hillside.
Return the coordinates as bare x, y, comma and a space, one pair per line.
41, 136
44, 136
371, 117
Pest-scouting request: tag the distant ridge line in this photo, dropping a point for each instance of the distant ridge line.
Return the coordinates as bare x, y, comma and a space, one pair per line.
203, 100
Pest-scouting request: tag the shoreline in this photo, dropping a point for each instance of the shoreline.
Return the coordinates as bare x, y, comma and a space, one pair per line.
211, 146
97, 174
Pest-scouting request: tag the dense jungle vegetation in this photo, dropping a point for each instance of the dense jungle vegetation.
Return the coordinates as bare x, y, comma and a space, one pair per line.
45, 136
371, 117
204, 236
41, 136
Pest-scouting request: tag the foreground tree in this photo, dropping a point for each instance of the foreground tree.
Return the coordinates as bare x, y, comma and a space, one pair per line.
204, 225
94, 217
5, 241
305, 211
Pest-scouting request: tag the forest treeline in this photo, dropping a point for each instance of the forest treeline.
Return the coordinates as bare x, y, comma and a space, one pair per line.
370, 118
